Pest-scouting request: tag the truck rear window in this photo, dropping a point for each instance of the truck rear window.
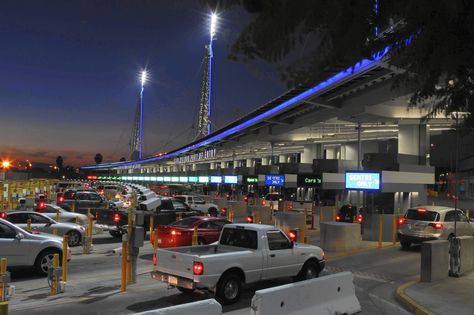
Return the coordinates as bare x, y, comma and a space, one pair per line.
422, 215
239, 238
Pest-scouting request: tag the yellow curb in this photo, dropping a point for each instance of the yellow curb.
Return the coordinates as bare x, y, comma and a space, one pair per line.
358, 251
410, 303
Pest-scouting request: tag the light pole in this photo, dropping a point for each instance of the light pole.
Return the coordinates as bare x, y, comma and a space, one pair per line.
454, 242
143, 79
212, 34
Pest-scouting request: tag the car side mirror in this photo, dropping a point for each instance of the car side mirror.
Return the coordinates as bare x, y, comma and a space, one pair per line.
19, 236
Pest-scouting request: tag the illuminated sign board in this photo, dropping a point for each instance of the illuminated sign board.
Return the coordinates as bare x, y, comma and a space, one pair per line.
274, 180
250, 179
183, 179
363, 180
159, 178
309, 180
167, 179
175, 179
230, 179
216, 179
203, 179
192, 179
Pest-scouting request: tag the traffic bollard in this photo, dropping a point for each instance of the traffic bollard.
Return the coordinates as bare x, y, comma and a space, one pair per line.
467, 213
3, 287
231, 215
73, 207
54, 278
320, 215
123, 283
301, 234
28, 225
64, 260
77, 220
194, 240
257, 217
305, 216
394, 229
155, 252
57, 215
380, 230
55, 231
152, 224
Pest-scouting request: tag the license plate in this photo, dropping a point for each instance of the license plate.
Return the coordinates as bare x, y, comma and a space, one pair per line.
159, 241
172, 280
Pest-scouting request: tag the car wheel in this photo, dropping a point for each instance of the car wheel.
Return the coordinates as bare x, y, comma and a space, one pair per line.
185, 291
213, 212
405, 245
74, 238
228, 289
116, 234
45, 260
309, 271
201, 241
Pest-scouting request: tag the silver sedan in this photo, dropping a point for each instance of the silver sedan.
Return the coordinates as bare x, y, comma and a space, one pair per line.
65, 216
42, 223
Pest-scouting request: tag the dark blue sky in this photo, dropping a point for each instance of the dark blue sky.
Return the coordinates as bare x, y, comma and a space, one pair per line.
69, 76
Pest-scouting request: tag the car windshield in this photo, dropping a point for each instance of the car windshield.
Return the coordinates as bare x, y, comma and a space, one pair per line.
185, 222
422, 215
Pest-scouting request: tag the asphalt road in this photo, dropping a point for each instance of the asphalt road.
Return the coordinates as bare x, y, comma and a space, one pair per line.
94, 283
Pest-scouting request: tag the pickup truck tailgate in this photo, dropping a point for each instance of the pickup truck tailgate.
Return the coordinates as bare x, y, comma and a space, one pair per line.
175, 263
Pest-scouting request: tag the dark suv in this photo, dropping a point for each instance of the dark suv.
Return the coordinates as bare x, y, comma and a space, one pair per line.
83, 200
350, 214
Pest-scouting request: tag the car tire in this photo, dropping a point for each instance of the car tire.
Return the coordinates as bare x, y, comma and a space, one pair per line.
44, 260
201, 241
75, 238
309, 271
405, 245
213, 212
185, 291
116, 234
228, 289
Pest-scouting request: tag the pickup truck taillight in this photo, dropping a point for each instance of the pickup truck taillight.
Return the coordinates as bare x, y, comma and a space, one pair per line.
223, 211
198, 268
338, 218
249, 219
436, 226
116, 217
402, 221
292, 235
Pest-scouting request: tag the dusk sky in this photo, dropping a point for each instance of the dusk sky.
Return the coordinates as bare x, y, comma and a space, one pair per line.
69, 76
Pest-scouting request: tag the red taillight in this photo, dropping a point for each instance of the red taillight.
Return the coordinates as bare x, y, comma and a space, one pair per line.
42, 205
421, 209
290, 205
174, 232
3, 215
436, 226
264, 202
249, 219
402, 221
246, 198
292, 235
116, 217
154, 259
359, 218
223, 211
338, 218
198, 268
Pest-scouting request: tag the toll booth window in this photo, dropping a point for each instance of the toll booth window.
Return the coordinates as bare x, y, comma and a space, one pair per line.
239, 238
422, 215
277, 241
6, 231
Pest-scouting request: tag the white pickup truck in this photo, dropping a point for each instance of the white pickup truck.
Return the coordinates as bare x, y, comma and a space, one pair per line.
245, 253
199, 204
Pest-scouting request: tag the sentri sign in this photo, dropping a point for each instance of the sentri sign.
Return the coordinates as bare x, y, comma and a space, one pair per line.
309, 180
362, 180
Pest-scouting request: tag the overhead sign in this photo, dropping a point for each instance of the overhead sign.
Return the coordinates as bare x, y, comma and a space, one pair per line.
216, 179
230, 179
203, 179
250, 180
274, 180
205, 155
192, 179
357, 180
309, 180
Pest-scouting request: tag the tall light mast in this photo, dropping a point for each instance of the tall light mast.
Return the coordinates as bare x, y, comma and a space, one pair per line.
136, 143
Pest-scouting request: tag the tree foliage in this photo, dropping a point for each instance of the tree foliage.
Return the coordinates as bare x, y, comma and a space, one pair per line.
59, 162
98, 158
309, 39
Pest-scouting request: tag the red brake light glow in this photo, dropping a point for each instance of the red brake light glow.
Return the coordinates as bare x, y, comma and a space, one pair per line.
264, 202
359, 218
338, 218
421, 209
246, 198
116, 217
249, 219
174, 232
223, 211
292, 235
198, 268
402, 221
436, 226
3, 215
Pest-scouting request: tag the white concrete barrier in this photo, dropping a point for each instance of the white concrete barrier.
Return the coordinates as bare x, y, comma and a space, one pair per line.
208, 307
329, 295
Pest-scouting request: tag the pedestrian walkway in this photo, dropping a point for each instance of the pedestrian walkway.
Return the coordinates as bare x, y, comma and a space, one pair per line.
445, 297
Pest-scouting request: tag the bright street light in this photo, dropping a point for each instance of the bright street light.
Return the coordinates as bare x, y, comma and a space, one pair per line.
143, 77
213, 24
6, 164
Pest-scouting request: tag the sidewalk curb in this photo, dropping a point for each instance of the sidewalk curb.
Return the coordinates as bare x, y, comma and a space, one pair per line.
412, 305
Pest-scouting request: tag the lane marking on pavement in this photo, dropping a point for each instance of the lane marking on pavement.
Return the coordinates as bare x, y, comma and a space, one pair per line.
410, 303
360, 274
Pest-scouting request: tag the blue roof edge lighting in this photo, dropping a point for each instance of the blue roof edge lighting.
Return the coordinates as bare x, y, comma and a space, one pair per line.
356, 68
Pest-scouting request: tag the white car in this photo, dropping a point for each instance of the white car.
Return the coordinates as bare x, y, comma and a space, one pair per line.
41, 223
49, 210
22, 248
199, 204
246, 253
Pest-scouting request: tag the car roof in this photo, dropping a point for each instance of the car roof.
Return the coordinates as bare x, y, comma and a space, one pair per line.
440, 209
253, 226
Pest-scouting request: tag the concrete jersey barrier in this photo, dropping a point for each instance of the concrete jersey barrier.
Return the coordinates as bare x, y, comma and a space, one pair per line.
208, 307
329, 295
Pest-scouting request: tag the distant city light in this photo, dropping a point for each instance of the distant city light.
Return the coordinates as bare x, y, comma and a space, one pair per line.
213, 25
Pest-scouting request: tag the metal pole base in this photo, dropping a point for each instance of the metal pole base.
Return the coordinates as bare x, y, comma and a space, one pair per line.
455, 258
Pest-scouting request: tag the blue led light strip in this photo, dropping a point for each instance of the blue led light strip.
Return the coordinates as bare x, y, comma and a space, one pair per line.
361, 66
